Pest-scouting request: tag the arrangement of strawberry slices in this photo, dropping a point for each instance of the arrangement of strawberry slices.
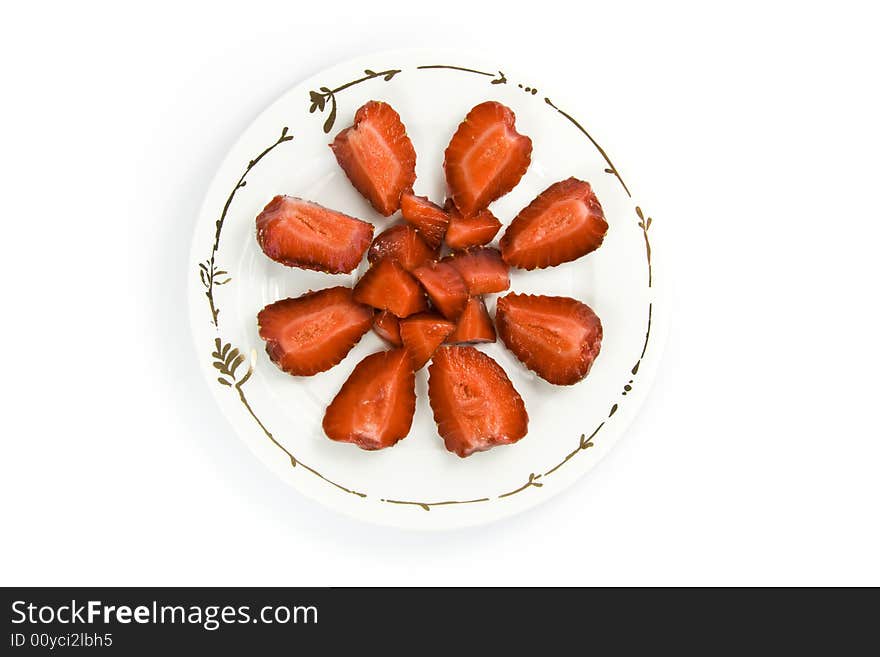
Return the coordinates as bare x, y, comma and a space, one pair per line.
424, 290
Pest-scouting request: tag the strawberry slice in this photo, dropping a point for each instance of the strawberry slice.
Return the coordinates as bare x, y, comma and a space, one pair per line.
422, 334
377, 156
387, 327
486, 157
464, 232
375, 406
562, 224
556, 337
429, 218
474, 325
313, 332
475, 405
303, 234
482, 269
402, 243
445, 287
388, 286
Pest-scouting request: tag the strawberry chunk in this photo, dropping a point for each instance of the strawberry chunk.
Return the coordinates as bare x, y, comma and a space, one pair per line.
556, 337
486, 157
476, 230
474, 325
303, 234
313, 332
387, 327
445, 287
422, 334
475, 405
429, 218
482, 269
402, 243
375, 406
562, 224
377, 156
388, 286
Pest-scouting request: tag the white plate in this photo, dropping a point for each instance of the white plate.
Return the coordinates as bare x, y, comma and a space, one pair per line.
417, 483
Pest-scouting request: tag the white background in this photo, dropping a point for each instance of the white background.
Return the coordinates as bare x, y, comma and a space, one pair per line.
751, 133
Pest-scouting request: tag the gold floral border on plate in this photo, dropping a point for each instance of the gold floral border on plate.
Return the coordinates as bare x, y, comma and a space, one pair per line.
227, 359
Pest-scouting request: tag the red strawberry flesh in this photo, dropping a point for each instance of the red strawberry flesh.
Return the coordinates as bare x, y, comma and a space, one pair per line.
402, 243
422, 334
375, 406
388, 286
313, 332
483, 270
556, 337
303, 234
562, 224
377, 156
486, 157
430, 219
445, 287
474, 325
475, 405
464, 232
387, 327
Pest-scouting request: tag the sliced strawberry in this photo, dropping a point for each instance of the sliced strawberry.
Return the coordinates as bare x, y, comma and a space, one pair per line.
474, 325
313, 332
387, 327
388, 286
482, 269
303, 234
429, 218
375, 406
475, 405
422, 334
402, 243
486, 157
377, 156
476, 230
556, 337
445, 287
563, 223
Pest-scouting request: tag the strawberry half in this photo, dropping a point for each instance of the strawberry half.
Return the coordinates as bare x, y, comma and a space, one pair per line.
375, 406
388, 286
387, 327
556, 337
474, 325
486, 158
464, 232
445, 286
475, 405
482, 269
377, 156
402, 243
562, 224
313, 332
300, 233
422, 334
429, 218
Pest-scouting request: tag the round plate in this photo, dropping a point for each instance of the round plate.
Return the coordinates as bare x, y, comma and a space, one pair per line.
417, 483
